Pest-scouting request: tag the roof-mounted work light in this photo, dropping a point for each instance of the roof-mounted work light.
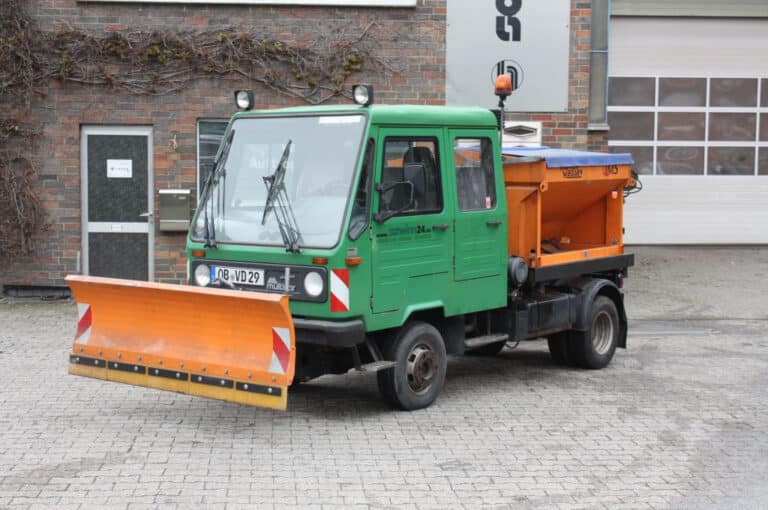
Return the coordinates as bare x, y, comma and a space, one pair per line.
244, 99
362, 94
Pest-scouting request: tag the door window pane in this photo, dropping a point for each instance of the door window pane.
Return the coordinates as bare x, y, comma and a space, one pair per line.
631, 125
475, 184
631, 92
733, 92
410, 164
359, 220
681, 126
736, 127
682, 92
762, 162
642, 156
764, 93
680, 161
731, 161
209, 135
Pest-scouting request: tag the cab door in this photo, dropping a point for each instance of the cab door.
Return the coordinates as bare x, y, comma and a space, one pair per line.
480, 241
413, 248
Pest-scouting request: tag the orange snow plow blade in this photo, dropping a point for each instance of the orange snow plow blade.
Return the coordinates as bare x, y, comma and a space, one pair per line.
224, 344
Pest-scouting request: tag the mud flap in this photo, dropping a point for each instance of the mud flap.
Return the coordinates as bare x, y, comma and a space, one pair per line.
223, 344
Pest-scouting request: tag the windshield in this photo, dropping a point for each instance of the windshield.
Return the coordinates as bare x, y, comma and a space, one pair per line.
316, 176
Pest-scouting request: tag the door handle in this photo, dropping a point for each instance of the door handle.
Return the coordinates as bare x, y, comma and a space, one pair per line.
147, 214
493, 223
440, 226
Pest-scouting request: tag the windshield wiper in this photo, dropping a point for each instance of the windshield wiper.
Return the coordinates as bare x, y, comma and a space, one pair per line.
276, 194
218, 168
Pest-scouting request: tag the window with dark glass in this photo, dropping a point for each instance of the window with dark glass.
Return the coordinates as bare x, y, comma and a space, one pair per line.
740, 92
631, 125
731, 161
632, 91
682, 92
209, 136
410, 168
475, 185
360, 205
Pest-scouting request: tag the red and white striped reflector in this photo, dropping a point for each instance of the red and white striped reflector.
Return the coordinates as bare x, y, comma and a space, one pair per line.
339, 290
281, 350
84, 323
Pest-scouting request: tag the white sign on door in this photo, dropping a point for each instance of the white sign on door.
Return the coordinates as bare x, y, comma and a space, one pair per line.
119, 168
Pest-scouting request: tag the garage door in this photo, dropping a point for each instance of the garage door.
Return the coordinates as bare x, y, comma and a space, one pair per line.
689, 99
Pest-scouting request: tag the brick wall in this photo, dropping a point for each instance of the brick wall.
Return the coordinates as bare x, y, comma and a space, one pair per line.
418, 76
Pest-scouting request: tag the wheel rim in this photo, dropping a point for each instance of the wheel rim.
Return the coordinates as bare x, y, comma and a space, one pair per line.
602, 333
421, 368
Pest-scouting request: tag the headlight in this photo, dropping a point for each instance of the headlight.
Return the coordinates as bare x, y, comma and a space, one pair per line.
202, 275
313, 283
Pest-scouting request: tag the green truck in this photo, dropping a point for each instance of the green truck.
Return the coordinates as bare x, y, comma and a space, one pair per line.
389, 228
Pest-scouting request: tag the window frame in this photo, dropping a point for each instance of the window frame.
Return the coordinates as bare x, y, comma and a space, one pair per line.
368, 185
760, 147
438, 166
492, 176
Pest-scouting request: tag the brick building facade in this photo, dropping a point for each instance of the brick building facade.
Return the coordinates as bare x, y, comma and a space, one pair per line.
64, 109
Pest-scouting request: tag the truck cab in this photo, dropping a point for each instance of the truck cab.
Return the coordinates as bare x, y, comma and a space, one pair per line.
398, 210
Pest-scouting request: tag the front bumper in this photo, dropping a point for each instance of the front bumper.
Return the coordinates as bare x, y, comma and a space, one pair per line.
329, 333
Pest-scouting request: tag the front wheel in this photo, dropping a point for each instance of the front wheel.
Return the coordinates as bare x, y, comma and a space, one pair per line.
417, 379
595, 347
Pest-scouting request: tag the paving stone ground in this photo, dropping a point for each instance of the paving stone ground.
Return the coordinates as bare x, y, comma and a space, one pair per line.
678, 420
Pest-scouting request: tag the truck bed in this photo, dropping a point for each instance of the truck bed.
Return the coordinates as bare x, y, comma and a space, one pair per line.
565, 206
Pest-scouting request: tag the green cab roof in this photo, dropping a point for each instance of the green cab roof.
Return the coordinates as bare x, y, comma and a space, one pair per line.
384, 114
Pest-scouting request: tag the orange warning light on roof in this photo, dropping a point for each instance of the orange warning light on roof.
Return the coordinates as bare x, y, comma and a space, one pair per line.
503, 85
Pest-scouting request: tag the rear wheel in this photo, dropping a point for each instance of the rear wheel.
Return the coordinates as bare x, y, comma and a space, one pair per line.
417, 379
595, 347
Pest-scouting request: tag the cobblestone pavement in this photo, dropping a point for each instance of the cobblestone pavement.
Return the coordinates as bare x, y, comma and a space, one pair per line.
679, 420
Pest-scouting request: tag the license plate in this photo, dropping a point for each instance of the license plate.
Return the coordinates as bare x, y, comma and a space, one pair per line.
239, 275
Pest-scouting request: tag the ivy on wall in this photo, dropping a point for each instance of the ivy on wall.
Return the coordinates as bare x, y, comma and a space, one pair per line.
149, 63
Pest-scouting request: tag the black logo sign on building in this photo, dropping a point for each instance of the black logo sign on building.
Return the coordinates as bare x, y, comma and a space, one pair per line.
508, 10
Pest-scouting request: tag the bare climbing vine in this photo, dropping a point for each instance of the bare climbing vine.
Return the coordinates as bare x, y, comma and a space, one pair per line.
21, 213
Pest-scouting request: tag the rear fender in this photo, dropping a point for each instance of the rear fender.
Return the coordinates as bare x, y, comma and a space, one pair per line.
589, 289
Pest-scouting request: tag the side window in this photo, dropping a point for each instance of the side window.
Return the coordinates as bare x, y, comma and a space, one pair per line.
360, 205
413, 161
209, 136
475, 185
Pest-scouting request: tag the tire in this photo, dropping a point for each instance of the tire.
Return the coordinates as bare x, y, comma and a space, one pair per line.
595, 347
418, 378
488, 350
558, 348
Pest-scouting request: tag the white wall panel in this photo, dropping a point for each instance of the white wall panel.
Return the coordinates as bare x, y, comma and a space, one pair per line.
686, 46
698, 210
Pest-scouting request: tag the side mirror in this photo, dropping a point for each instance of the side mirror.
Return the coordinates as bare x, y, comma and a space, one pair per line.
399, 190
